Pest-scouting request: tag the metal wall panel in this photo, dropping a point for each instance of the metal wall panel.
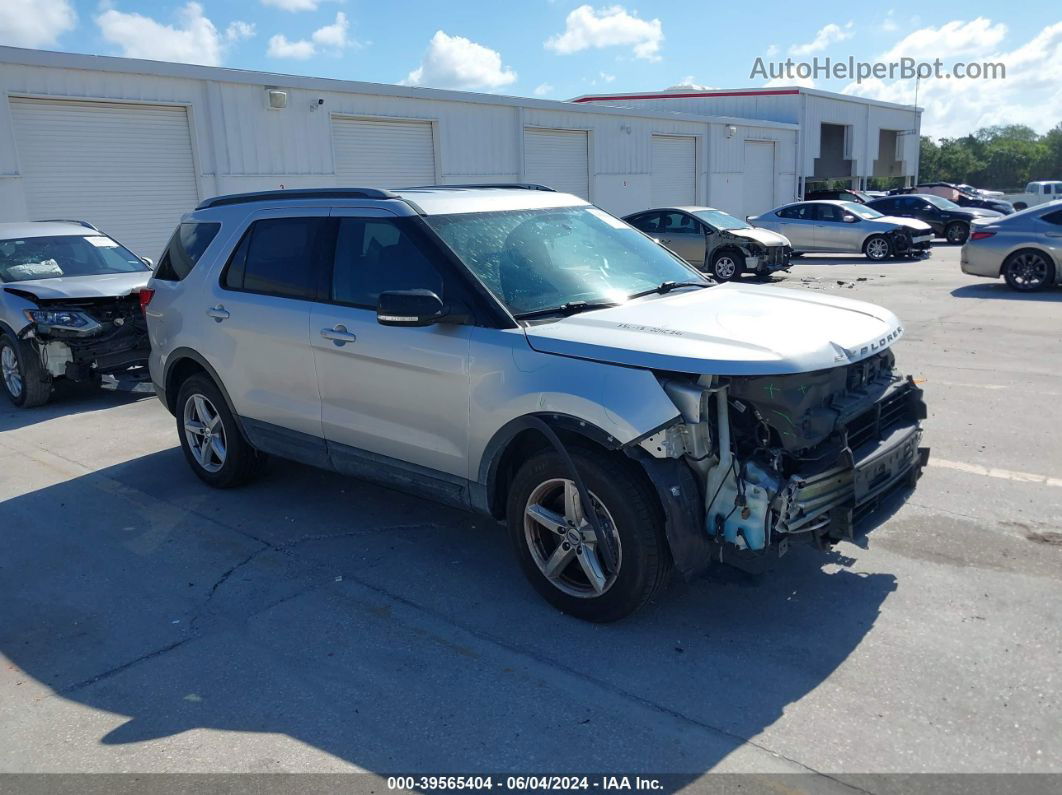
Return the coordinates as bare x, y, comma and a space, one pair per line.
674, 179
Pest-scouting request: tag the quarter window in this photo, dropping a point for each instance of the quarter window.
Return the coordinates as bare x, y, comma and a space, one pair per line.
377, 255
185, 248
278, 256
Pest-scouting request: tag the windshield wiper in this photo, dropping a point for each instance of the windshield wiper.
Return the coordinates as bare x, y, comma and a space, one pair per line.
566, 309
667, 287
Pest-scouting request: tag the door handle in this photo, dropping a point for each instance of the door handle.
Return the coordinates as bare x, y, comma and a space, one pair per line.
218, 312
339, 335
665, 240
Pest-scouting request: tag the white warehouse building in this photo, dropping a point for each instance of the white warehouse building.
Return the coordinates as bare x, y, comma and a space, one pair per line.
129, 145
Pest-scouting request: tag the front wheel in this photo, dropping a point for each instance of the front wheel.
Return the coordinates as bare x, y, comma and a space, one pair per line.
727, 265
957, 232
24, 380
558, 549
1027, 271
877, 248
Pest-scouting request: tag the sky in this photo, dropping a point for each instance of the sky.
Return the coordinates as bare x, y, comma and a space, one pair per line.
559, 49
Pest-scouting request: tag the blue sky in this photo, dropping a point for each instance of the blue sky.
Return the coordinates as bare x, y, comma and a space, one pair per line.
562, 48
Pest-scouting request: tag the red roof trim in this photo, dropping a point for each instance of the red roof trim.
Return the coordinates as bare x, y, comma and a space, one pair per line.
763, 93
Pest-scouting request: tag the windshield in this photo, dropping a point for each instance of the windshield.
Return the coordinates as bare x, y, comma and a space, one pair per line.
941, 202
720, 220
860, 210
23, 259
534, 260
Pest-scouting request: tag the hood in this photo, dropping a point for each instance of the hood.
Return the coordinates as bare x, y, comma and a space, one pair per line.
762, 236
977, 212
730, 329
910, 223
106, 286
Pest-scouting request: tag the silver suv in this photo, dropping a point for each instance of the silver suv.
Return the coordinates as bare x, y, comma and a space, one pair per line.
522, 353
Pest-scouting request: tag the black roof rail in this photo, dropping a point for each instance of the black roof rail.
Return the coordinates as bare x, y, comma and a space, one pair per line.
509, 185
67, 221
297, 193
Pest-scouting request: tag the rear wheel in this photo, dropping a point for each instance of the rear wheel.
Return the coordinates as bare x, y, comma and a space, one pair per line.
1027, 271
877, 248
210, 439
558, 549
956, 232
727, 265
24, 381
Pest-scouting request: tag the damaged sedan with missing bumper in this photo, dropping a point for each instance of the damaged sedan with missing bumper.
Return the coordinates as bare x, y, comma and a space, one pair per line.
70, 308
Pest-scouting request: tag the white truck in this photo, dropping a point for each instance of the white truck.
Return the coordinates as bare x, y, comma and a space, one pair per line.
1036, 193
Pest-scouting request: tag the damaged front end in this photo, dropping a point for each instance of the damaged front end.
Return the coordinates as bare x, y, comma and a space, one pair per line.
101, 340
790, 457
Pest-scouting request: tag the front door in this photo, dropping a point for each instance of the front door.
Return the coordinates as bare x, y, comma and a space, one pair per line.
684, 235
396, 392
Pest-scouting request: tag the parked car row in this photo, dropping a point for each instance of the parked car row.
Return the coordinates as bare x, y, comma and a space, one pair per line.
520, 353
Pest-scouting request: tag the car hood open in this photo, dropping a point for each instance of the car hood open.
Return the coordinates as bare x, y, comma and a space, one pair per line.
103, 286
731, 329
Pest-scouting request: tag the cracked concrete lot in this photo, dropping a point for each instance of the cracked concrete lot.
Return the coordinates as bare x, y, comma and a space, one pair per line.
314, 623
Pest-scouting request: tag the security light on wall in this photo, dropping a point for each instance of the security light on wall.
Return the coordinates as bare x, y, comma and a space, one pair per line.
278, 100
731, 130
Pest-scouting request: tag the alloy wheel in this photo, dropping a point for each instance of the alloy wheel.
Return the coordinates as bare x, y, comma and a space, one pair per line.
878, 249
204, 432
725, 267
1028, 271
11, 374
562, 542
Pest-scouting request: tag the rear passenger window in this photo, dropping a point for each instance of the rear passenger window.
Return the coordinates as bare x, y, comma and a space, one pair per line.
279, 256
376, 255
185, 248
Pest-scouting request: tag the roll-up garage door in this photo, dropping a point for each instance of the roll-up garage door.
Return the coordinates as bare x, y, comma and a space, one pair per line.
127, 169
674, 171
558, 159
759, 177
383, 154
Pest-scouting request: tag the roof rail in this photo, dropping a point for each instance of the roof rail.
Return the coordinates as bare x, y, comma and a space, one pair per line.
298, 193
67, 221
509, 185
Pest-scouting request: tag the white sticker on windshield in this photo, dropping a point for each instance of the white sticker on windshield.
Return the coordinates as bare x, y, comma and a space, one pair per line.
615, 223
102, 242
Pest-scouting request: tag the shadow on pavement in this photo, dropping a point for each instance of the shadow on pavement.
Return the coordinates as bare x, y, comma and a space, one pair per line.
1000, 290
67, 398
389, 632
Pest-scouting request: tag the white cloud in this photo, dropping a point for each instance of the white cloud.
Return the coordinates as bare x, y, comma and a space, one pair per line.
334, 35
194, 39
542, 89
949, 40
689, 84
293, 5
803, 82
331, 37
827, 35
587, 28
955, 107
606, 77
889, 24
280, 47
35, 23
771, 51
457, 62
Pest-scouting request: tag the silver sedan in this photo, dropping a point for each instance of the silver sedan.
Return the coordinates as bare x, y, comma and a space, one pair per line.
838, 226
1024, 248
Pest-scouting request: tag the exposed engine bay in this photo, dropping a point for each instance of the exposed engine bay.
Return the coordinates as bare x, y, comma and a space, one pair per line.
98, 339
800, 456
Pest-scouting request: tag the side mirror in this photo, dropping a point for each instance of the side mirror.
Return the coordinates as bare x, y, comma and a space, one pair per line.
409, 308
149, 262
849, 219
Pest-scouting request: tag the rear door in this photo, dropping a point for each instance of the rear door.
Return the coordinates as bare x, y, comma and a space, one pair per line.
255, 321
397, 392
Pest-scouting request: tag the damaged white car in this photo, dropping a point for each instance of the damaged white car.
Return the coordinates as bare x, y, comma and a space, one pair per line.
525, 354
70, 307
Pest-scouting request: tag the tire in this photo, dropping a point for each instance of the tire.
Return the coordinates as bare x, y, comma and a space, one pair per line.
1028, 271
727, 266
956, 232
625, 502
877, 248
221, 458
1020, 206
24, 381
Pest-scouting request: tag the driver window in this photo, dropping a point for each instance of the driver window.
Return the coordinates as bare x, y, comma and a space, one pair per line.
376, 255
649, 223
680, 224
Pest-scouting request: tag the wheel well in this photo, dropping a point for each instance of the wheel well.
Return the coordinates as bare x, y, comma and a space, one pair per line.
1020, 205
728, 249
527, 443
873, 235
1032, 250
179, 373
